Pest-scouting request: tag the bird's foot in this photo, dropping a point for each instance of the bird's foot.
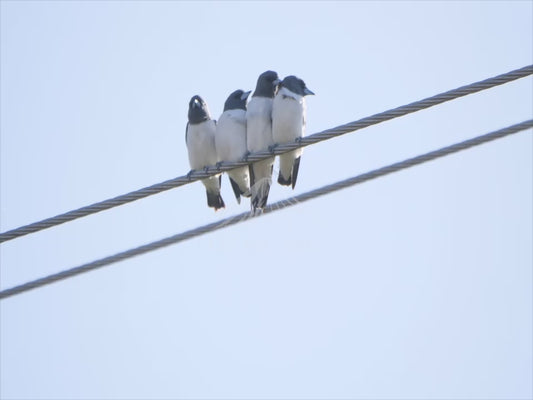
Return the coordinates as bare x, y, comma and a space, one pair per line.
206, 169
272, 148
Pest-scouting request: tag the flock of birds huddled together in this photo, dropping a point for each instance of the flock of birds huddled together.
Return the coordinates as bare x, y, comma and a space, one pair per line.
274, 115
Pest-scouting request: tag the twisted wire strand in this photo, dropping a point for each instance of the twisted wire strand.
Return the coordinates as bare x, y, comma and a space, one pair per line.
280, 149
269, 209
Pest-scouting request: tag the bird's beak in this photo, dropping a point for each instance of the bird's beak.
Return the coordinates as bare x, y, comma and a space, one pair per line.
245, 95
276, 82
307, 92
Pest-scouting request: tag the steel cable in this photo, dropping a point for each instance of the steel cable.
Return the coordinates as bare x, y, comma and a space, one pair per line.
306, 141
269, 209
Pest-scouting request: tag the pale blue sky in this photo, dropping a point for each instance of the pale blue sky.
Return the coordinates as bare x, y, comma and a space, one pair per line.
417, 285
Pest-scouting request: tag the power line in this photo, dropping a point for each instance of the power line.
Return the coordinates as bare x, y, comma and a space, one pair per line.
306, 141
269, 209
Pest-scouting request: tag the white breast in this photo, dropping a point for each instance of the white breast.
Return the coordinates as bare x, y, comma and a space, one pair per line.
201, 144
259, 124
230, 137
288, 116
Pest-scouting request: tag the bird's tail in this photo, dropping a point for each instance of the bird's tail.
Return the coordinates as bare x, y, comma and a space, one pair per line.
260, 181
212, 189
283, 181
236, 190
288, 170
214, 199
260, 192
240, 183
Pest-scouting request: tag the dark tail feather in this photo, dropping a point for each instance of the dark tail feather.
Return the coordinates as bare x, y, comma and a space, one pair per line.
291, 180
295, 168
215, 200
237, 190
283, 181
261, 199
252, 176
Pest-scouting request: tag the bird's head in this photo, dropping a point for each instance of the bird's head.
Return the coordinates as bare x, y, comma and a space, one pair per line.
296, 85
236, 100
198, 111
267, 84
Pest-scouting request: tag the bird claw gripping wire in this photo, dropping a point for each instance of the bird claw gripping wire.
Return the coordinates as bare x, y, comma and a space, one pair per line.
189, 175
245, 158
272, 148
219, 165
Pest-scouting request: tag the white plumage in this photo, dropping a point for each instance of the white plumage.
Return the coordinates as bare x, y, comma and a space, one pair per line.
201, 144
288, 124
259, 137
202, 152
230, 141
200, 140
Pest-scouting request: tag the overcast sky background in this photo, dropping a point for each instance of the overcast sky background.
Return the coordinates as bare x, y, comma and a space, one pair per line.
416, 285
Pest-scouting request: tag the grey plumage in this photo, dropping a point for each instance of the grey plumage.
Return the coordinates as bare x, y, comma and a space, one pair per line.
266, 84
295, 85
236, 100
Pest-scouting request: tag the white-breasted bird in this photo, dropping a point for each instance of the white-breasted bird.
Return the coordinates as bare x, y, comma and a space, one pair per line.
230, 141
200, 140
288, 124
259, 136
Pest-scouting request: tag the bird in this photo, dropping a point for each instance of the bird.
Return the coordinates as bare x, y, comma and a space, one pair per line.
259, 136
230, 141
288, 124
200, 140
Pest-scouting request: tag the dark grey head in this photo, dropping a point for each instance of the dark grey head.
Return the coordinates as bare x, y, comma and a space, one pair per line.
266, 84
295, 85
198, 111
236, 100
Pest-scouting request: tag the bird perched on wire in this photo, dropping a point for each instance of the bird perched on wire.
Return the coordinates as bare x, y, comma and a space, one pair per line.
259, 136
230, 141
288, 124
200, 139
